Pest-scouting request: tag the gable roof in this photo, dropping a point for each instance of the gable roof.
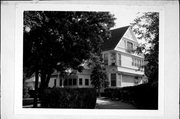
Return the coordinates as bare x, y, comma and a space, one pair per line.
116, 35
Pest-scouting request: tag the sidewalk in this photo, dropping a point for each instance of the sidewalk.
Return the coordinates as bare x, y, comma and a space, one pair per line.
105, 103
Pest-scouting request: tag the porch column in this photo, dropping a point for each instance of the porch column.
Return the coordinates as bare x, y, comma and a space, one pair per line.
121, 80
116, 59
116, 79
62, 86
77, 81
109, 76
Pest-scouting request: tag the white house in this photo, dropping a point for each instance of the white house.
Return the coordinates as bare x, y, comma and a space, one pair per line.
123, 67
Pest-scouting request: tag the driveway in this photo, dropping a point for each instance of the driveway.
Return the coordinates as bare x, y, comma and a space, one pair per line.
105, 103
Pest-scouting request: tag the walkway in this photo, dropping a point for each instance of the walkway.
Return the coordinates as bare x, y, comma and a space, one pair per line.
104, 103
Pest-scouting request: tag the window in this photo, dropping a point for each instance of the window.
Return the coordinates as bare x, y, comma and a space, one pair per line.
113, 79
119, 79
86, 82
142, 63
137, 62
119, 56
74, 81
106, 59
129, 45
113, 58
80, 81
132, 61
65, 82
70, 82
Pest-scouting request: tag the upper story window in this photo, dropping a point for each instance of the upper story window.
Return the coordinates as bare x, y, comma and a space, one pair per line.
113, 58
129, 45
106, 58
137, 63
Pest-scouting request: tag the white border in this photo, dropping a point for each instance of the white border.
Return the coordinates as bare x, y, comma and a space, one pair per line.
81, 7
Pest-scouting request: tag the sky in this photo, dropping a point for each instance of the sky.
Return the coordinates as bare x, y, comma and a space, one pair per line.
123, 17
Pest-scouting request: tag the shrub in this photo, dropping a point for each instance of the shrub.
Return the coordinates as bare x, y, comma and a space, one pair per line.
25, 92
32, 93
28, 101
69, 98
143, 96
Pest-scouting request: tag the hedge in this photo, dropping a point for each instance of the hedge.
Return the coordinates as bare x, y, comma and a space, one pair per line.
28, 101
69, 98
142, 96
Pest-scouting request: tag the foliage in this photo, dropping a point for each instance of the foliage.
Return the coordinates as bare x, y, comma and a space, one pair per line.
144, 96
28, 101
25, 92
61, 40
99, 77
147, 27
69, 98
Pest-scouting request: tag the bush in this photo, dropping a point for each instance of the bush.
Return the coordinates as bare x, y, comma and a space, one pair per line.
32, 93
143, 96
28, 101
69, 98
25, 92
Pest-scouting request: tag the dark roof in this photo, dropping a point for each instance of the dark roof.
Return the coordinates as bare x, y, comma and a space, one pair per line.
116, 35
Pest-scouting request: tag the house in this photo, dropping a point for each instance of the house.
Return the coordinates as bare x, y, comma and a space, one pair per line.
123, 66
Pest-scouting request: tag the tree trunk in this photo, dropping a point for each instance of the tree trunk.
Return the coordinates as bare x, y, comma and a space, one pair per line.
36, 88
47, 80
45, 77
42, 87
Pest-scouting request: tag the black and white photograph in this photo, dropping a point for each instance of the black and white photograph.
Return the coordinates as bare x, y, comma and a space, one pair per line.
89, 59
83, 59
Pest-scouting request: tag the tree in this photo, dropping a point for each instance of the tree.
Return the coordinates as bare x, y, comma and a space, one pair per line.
61, 40
99, 77
147, 27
